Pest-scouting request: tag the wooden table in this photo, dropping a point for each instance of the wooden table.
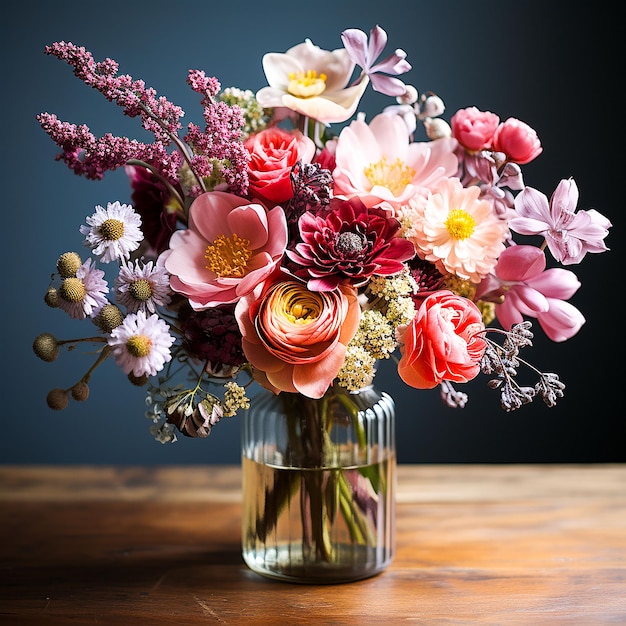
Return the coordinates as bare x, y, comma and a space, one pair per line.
497, 544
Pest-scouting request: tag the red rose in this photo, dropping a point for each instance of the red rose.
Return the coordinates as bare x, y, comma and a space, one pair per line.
274, 152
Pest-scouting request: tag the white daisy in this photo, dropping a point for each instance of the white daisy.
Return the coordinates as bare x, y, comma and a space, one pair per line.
84, 294
141, 344
142, 286
113, 233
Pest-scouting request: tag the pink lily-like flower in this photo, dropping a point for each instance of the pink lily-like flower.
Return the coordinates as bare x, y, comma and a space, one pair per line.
523, 286
312, 82
365, 53
569, 235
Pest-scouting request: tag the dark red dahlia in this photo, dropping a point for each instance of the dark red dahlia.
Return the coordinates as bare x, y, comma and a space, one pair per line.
349, 241
428, 278
213, 335
156, 206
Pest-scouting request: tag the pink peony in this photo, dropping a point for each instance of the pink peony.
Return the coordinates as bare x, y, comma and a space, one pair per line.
295, 338
230, 247
273, 153
349, 242
473, 128
444, 341
517, 140
377, 163
522, 286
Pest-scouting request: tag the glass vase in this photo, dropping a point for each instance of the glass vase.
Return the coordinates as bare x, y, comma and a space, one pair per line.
319, 479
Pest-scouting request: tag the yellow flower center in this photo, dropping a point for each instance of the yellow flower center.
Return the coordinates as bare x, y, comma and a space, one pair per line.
141, 290
112, 229
395, 176
460, 224
72, 290
228, 256
139, 345
306, 84
296, 304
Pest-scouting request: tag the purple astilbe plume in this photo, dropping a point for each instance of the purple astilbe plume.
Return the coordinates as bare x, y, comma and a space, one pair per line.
221, 137
90, 156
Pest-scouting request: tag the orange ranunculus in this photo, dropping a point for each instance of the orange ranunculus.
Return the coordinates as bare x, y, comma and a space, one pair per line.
295, 338
442, 342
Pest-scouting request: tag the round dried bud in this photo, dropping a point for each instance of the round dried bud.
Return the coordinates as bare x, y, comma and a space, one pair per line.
80, 391
58, 399
437, 128
68, 264
138, 381
46, 347
52, 297
110, 317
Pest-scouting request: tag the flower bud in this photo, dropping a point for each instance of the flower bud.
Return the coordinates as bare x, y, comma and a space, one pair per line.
409, 96
437, 128
433, 107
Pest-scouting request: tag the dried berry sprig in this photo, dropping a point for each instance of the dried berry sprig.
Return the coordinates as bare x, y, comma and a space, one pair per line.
503, 361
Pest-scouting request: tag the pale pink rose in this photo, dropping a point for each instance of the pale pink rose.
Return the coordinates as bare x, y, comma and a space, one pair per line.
273, 153
517, 140
378, 163
295, 338
230, 247
443, 342
474, 128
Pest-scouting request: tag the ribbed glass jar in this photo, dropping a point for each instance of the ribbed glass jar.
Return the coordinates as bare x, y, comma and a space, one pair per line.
319, 479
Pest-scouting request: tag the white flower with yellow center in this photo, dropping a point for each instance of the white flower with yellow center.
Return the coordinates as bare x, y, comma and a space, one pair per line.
312, 82
113, 233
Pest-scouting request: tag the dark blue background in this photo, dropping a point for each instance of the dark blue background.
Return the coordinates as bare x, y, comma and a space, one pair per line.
557, 70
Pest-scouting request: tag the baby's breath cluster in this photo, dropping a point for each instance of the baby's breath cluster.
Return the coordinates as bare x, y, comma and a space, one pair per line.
387, 304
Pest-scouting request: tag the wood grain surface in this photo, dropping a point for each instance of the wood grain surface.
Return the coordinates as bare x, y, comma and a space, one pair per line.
476, 544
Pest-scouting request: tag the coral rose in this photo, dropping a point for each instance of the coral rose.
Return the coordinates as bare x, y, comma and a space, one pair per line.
517, 140
229, 248
273, 153
442, 342
295, 338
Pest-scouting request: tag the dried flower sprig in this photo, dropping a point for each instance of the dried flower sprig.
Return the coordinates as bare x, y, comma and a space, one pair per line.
504, 361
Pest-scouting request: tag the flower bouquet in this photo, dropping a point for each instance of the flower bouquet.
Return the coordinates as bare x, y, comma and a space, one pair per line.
289, 242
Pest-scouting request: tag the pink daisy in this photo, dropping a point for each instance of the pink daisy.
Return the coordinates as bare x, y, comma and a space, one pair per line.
457, 231
83, 295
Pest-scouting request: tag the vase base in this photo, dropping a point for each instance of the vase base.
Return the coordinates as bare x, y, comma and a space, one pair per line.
287, 564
